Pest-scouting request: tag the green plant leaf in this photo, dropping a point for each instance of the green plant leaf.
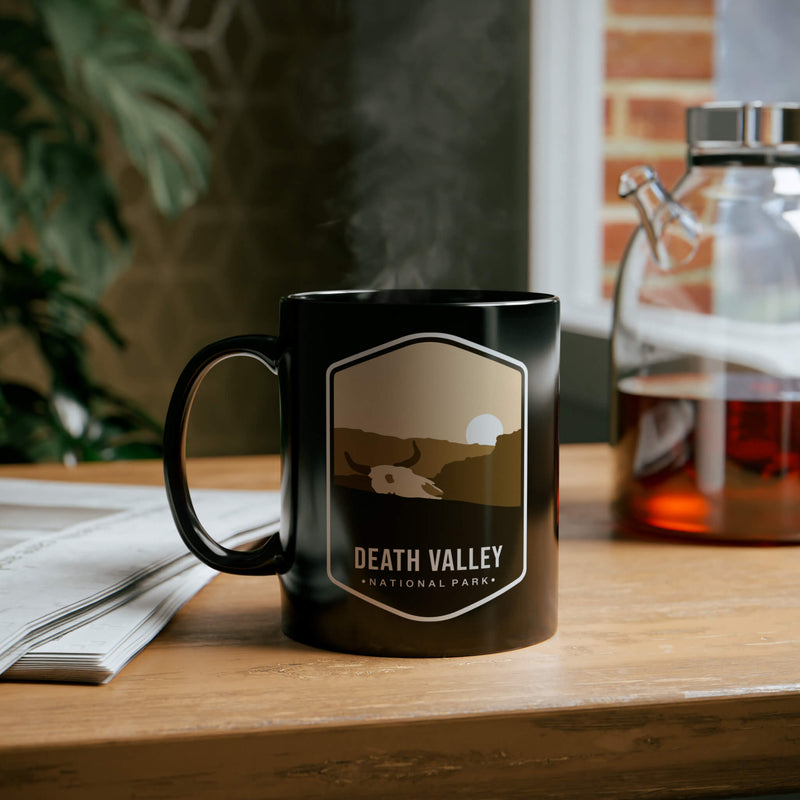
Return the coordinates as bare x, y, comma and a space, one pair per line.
38, 77
43, 303
9, 207
79, 418
74, 210
147, 85
12, 104
21, 39
91, 312
28, 432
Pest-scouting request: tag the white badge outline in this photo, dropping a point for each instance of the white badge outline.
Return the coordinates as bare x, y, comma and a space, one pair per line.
394, 344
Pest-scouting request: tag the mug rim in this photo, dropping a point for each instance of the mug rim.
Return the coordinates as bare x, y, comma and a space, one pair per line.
443, 297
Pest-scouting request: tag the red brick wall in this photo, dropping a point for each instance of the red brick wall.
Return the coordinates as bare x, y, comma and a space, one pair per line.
659, 61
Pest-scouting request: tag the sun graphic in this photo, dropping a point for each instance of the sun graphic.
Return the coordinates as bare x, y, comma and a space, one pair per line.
484, 429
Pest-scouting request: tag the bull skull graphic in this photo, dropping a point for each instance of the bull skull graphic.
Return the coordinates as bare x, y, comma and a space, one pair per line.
398, 478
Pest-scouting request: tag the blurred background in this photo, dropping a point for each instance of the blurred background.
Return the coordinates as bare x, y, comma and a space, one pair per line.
361, 143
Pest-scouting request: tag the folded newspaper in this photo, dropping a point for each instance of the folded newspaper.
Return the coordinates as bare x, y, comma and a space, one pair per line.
89, 573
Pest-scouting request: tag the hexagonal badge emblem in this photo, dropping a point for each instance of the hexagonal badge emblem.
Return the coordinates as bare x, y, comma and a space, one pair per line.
427, 466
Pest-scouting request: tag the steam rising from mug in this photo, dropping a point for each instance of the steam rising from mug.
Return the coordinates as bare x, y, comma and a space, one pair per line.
438, 120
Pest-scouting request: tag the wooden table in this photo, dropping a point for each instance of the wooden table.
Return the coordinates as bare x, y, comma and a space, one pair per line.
675, 673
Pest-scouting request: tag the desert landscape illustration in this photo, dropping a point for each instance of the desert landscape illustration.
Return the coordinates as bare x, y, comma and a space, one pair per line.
473, 473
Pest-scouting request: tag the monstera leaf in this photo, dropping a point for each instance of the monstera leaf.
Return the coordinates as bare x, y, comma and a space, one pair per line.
73, 206
73, 73
77, 63
110, 53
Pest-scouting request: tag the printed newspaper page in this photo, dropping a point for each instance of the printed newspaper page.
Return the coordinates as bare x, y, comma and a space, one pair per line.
72, 553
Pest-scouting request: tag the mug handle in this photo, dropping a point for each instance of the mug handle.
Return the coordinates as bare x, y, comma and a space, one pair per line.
268, 559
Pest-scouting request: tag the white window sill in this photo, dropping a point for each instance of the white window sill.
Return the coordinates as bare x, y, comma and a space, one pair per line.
587, 320
566, 165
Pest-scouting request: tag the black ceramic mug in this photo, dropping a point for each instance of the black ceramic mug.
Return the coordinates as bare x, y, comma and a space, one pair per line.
419, 469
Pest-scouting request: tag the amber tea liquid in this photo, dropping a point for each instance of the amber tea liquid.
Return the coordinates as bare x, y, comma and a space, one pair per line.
709, 456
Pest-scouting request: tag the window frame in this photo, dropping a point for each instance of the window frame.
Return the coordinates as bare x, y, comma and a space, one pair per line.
566, 160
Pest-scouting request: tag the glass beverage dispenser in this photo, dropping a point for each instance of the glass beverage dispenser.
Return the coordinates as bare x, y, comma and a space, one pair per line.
706, 339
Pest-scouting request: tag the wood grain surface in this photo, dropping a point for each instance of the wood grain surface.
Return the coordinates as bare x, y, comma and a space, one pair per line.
675, 673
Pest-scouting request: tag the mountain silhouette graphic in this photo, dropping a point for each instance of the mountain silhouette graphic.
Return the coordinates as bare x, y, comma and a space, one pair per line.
473, 473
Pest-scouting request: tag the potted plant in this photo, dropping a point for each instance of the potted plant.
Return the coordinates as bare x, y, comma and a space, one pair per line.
73, 72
